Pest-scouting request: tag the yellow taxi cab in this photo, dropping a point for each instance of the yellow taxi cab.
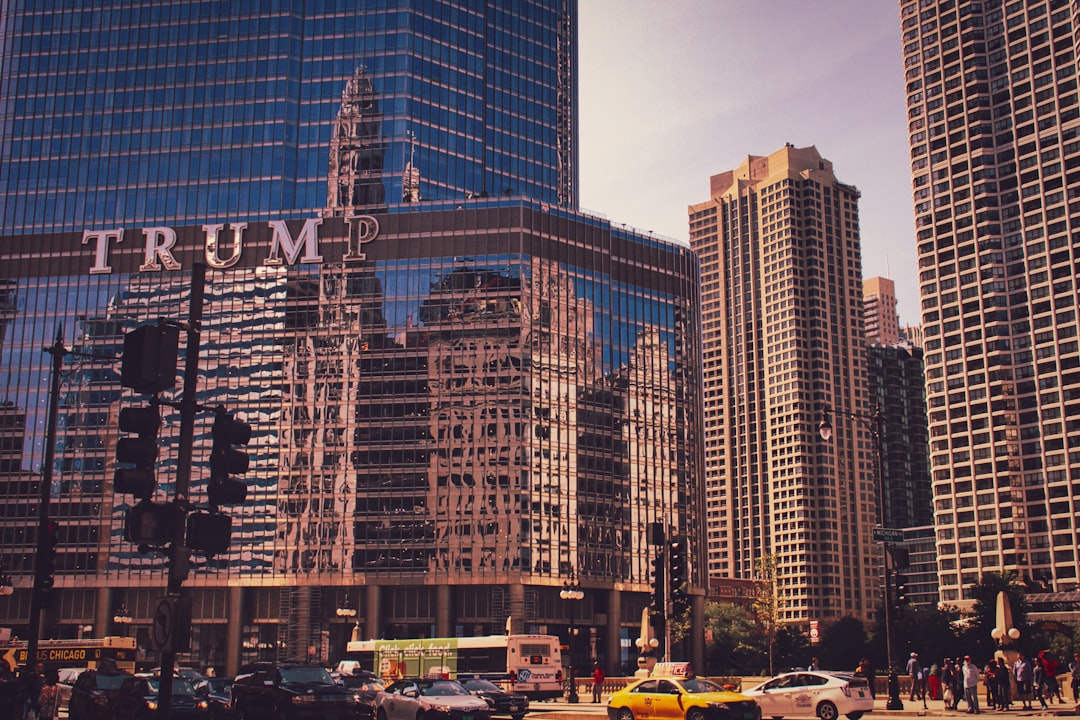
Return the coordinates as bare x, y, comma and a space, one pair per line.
672, 692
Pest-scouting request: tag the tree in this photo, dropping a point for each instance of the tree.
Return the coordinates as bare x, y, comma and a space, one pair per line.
843, 644
733, 643
767, 604
976, 639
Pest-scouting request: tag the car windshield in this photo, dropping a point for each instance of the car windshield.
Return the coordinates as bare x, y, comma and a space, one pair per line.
308, 675
442, 687
485, 685
220, 684
110, 682
181, 687
697, 685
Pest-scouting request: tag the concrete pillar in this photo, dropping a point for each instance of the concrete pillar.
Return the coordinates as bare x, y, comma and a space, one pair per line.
697, 632
373, 620
443, 603
517, 608
613, 650
107, 602
234, 610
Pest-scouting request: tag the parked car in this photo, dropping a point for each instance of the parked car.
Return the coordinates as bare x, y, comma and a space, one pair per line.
680, 698
412, 698
502, 702
219, 695
364, 686
826, 695
139, 699
291, 691
93, 693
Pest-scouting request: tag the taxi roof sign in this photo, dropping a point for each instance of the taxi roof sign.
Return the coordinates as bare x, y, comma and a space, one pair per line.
673, 669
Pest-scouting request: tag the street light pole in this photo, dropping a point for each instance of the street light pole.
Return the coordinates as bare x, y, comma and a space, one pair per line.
572, 591
875, 423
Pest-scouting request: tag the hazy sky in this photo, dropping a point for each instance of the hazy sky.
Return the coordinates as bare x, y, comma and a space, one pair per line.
675, 91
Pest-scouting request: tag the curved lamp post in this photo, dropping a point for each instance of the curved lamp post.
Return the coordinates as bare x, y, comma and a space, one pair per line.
571, 590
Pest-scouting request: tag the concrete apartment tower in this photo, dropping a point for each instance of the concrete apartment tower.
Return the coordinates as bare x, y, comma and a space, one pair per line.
994, 130
783, 342
879, 311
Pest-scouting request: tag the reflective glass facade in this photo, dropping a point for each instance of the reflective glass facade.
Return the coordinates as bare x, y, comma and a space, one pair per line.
136, 112
455, 411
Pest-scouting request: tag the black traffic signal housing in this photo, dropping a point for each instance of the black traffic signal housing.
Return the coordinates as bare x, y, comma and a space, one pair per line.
677, 572
138, 453
226, 460
148, 365
152, 525
46, 562
209, 533
656, 582
902, 599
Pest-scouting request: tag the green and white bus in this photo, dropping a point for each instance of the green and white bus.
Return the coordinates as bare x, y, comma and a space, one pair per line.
528, 664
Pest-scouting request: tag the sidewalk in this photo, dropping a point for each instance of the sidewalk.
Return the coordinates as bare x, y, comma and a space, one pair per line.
936, 708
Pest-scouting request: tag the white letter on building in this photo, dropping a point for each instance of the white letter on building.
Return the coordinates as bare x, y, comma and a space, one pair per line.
159, 240
308, 240
101, 240
212, 234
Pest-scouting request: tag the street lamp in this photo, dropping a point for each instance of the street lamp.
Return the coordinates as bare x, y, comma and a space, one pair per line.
346, 610
571, 590
122, 617
875, 423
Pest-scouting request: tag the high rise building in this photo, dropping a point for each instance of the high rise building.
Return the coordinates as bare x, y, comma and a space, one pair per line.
463, 391
783, 344
994, 127
134, 112
879, 311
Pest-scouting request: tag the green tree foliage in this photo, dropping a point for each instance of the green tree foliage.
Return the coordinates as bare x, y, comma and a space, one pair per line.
975, 639
767, 605
733, 643
792, 648
843, 643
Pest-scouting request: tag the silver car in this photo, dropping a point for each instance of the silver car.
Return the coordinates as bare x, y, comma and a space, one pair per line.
426, 699
825, 695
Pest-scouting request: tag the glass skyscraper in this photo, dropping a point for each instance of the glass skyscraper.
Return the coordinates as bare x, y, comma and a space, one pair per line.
192, 111
464, 392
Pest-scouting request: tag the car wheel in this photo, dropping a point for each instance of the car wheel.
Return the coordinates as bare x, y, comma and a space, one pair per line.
517, 717
695, 714
625, 714
827, 711
854, 716
419, 715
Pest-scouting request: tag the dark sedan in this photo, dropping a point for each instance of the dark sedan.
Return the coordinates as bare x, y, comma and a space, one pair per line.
93, 694
364, 686
138, 700
219, 695
502, 702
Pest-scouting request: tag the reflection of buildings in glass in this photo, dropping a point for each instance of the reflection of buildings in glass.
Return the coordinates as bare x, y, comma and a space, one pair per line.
357, 150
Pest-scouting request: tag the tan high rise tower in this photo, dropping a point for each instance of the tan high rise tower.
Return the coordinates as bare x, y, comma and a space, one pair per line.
994, 130
783, 340
879, 310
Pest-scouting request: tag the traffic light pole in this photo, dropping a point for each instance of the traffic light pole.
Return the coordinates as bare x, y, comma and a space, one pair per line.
180, 556
58, 351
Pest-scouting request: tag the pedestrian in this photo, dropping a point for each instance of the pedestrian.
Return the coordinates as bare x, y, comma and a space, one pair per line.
32, 684
1004, 685
865, 671
990, 676
971, 685
914, 670
1050, 667
1024, 675
49, 697
948, 694
934, 681
813, 666
597, 682
1038, 684
1074, 669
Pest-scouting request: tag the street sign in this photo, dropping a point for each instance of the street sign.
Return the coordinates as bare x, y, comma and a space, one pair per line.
888, 535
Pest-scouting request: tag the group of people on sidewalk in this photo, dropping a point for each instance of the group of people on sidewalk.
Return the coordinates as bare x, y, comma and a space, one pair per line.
1024, 681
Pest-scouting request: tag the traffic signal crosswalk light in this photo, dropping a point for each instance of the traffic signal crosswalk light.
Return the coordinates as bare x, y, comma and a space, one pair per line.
148, 365
138, 453
46, 567
225, 460
677, 571
656, 583
901, 590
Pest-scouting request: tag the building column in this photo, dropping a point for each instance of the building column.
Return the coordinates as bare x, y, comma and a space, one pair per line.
516, 619
234, 610
372, 613
697, 632
443, 601
103, 611
613, 664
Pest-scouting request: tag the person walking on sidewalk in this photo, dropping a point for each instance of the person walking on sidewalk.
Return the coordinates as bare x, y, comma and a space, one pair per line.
597, 682
971, 685
915, 671
1024, 675
1074, 668
1004, 693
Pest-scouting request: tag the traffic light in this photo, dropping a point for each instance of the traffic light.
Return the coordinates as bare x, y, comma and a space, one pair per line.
677, 570
151, 525
139, 452
656, 601
148, 365
901, 590
46, 568
226, 460
209, 533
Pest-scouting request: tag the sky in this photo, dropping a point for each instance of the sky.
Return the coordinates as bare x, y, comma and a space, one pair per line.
672, 92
